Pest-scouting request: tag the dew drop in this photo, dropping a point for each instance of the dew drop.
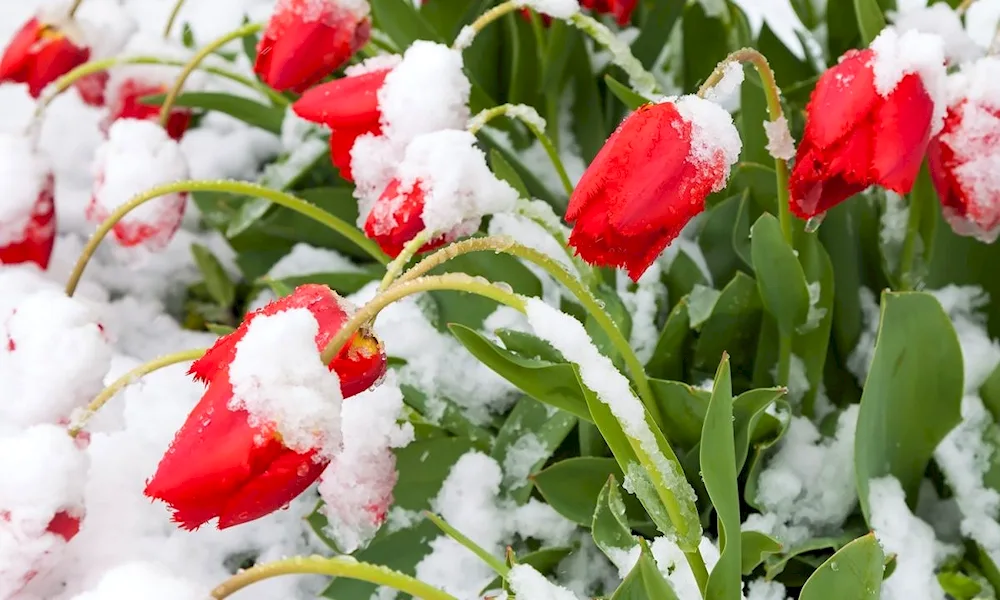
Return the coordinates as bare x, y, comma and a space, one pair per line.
814, 222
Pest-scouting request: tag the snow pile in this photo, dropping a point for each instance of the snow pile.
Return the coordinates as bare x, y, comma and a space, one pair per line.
911, 53
24, 174
807, 488
560, 9
728, 85
715, 142
357, 486
941, 20
278, 377
780, 143
526, 582
155, 583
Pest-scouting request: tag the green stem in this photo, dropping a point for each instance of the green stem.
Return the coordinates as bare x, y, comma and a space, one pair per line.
79, 422
964, 6
641, 80
459, 282
173, 17
469, 33
535, 123
698, 569
73, 8
784, 360
569, 281
348, 568
495, 563
394, 268
239, 188
192, 64
909, 251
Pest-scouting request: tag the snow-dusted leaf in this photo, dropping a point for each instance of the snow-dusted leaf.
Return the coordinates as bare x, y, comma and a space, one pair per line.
528, 437
645, 581
610, 526
631, 99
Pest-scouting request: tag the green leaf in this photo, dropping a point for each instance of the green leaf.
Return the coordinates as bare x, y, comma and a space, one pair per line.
754, 548
402, 22
343, 283
718, 469
732, 328
811, 346
645, 581
556, 57
780, 278
683, 409
610, 528
854, 572
871, 21
788, 68
705, 40
667, 361
571, 488
716, 242
924, 208
187, 36
249, 43
220, 287
840, 237
655, 31
630, 98
503, 170
447, 415
776, 563
748, 409
528, 437
913, 394
268, 118
544, 561
753, 114
684, 274
588, 117
219, 329
959, 586
553, 384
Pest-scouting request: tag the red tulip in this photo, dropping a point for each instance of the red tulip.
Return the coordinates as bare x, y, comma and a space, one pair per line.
870, 119
221, 464
349, 107
27, 213
526, 15
620, 9
649, 180
964, 158
124, 104
306, 40
39, 54
92, 87
395, 219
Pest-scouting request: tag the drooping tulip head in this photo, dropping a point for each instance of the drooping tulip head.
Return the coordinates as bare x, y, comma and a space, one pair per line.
269, 421
306, 40
44, 49
964, 158
649, 180
27, 206
124, 103
869, 121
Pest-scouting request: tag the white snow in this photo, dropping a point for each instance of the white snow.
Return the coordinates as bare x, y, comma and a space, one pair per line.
715, 142
674, 565
24, 174
278, 378
780, 143
941, 20
981, 21
728, 85
526, 582
328, 11
643, 301
560, 9
126, 580
762, 589
898, 55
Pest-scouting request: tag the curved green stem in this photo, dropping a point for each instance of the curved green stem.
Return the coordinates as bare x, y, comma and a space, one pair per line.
173, 17
192, 64
348, 568
495, 563
459, 282
394, 268
641, 80
80, 421
569, 281
469, 32
239, 188
73, 8
964, 6
535, 123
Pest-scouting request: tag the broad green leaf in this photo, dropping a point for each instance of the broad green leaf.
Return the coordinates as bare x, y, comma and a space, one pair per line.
645, 581
839, 235
667, 361
718, 470
447, 16
788, 68
913, 393
741, 229
748, 409
760, 449
810, 346
924, 208
529, 346
251, 112
754, 548
402, 22
553, 384
753, 113
220, 287
780, 278
775, 564
447, 415
522, 51
610, 528
716, 239
503, 170
572, 486
854, 572
656, 30
528, 437
683, 408
557, 53
705, 40
630, 98
684, 274
871, 21
732, 328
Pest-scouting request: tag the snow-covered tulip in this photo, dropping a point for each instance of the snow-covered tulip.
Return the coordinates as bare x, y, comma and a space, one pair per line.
306, 40
269, 421
106, 28
30, 330
964, 158
38, 514
349, 107
123, 103
869, 121
442, 185
137, 156
620, 9
27, 206
649, 180
45, 48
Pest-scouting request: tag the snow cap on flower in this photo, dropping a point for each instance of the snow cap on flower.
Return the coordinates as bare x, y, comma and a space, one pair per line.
942, 20
870, 119
965, 158
27, 207
45, 48
44, 325
649, 180
42, 478
137, 156
306, 40
269, 421
443, 184
155, 582
106, 26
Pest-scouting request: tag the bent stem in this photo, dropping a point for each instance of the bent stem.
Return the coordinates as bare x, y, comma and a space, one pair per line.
348, 568
394, 268
73, 8
240, 188
458, 282
641, 80
535, 124
192, 64
494, 563
173, 17
569, 281
80, 421
469, 32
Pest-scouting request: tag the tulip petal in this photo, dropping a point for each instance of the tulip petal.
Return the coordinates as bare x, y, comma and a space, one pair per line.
843, 98
285, 478
902, 132
345, 103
